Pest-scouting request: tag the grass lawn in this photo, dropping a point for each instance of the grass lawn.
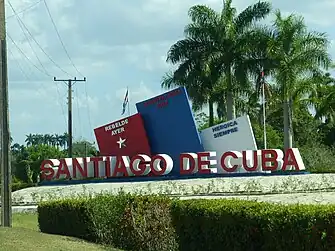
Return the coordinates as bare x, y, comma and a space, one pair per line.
25, 236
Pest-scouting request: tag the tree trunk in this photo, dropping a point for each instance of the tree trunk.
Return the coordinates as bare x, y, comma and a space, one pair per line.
230, 97
288, 127
211, 112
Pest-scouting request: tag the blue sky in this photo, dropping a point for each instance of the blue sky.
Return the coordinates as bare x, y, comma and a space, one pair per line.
114, 44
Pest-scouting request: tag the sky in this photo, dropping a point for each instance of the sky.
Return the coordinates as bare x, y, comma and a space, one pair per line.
114, 44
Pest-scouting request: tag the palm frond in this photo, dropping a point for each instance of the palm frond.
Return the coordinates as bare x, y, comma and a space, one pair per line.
251, 14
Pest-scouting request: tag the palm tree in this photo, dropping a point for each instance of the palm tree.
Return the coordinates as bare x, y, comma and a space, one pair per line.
322, 97
199, 84
29, 139
297, 53
58, 140
65, 140
46, 139
39, 139
217, 43
15, 148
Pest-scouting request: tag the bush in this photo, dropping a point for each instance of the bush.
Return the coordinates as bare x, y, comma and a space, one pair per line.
159, 223
147, 225
246, 225
318, 158
68, 217
123, 221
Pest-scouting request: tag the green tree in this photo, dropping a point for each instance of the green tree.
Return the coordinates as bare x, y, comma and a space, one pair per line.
30, 139
297, 53
28, 159
202, 121
216, 49
83, 148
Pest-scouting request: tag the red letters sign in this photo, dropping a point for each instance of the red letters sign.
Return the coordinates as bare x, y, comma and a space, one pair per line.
125, 137
162, 164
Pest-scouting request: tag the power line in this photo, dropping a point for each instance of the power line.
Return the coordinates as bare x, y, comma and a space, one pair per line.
26, 75
60, 39
19, 49
22, 25
18, 64
70, 83
37, 43
70, 59
60, 104
28, 78
88, 111
78, 111
25, 9
30, 45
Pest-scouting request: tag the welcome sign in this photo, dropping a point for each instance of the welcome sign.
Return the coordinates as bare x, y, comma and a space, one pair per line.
123, 137
162, 164
170, 125
162, 140
233, 135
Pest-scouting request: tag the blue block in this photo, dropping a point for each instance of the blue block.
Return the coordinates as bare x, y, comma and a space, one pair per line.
170, 125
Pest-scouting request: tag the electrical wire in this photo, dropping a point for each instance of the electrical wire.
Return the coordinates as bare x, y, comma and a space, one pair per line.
60, 39
29, 61
22, 53
78, 111
37, 43
88, 111
22, 25
25, 9
70, 59
28, 40
61, 104
18, 64
19, 49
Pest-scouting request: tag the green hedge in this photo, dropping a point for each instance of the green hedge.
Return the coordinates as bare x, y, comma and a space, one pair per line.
247, 225
158, 223
66, 217
123, 221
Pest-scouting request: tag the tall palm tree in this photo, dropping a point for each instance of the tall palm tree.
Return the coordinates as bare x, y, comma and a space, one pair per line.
199, 84
221, 42
321, 97
39, 139
59, 140
65, 140
29, 139
15, 148
297, 54
46, 139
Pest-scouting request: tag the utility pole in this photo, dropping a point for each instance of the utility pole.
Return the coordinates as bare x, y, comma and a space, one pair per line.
69, 83
6, 177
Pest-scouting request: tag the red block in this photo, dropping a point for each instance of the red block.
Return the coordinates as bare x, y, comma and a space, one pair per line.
125, 137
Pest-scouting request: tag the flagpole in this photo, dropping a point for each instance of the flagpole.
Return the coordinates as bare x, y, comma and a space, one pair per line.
128, 102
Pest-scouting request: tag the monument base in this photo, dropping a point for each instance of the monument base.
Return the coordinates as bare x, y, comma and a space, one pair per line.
163, 178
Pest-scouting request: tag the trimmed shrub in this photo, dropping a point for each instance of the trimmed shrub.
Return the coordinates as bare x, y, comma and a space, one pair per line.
246, 225
68, 217
123, 221
147, 225
159, 223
